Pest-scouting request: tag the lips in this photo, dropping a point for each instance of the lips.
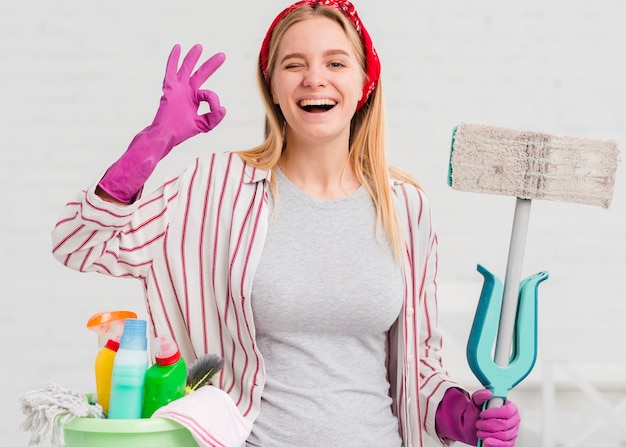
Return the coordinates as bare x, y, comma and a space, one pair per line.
317, 105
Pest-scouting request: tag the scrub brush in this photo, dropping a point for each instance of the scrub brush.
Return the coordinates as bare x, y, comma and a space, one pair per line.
201, 371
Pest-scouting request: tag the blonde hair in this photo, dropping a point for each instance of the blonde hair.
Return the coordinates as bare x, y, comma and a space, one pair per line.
367, 152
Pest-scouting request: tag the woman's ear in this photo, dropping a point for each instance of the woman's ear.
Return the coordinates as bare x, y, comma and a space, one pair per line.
363, 86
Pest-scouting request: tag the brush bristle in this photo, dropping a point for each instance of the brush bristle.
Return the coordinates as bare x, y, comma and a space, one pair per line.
533, 165
201, 371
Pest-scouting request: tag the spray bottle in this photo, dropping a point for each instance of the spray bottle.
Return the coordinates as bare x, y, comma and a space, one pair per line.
108, 326
129, 372
166, 378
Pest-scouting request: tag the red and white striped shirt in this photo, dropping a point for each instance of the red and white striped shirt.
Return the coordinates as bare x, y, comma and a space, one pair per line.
195, 243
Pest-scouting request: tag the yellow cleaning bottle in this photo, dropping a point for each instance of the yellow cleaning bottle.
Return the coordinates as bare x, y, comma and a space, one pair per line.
104, 370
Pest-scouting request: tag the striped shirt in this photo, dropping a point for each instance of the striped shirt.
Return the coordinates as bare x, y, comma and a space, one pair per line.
195, 242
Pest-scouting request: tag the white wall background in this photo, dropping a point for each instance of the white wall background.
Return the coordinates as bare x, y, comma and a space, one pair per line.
78, 79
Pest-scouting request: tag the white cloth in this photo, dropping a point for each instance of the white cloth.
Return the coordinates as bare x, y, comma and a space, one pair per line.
210, 415
195, 243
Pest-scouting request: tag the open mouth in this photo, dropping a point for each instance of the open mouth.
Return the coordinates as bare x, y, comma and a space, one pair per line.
317, 105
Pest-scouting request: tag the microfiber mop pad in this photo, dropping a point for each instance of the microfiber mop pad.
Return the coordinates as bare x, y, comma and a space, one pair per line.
532, 165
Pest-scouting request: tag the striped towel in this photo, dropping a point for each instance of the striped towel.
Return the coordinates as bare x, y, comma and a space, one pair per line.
211, 416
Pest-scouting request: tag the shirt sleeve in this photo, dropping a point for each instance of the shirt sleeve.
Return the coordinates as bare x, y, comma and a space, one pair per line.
434, 379
94, 235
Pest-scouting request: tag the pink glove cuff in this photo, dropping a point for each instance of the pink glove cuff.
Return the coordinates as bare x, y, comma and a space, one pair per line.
461, 418
456, 417
124, 180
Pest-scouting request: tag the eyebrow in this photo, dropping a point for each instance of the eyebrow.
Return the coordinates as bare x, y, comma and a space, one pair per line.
326, 53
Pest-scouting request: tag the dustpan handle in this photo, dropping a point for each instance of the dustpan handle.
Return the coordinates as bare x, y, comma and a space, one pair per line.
510, 293
506, 328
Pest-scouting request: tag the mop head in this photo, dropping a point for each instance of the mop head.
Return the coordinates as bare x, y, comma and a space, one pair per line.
532, 165
49, 409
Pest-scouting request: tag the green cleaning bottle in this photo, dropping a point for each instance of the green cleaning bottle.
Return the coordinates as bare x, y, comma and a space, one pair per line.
166, 378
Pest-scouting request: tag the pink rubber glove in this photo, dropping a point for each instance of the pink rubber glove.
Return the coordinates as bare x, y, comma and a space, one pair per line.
176, 120
462, 419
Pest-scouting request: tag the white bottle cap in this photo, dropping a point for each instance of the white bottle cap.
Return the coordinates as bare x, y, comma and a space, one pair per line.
165, 350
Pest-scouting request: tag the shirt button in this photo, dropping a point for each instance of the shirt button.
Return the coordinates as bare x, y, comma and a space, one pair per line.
410, 311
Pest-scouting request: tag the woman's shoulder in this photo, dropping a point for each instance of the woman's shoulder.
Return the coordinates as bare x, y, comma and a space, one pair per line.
220, 159
402, 180
409, 193
229, 162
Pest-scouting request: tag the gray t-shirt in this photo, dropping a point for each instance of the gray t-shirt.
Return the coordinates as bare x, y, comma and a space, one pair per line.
324, 296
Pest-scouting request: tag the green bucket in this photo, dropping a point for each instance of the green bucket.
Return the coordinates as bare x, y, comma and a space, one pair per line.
152, 432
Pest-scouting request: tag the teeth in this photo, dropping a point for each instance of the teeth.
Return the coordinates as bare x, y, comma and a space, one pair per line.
317, 102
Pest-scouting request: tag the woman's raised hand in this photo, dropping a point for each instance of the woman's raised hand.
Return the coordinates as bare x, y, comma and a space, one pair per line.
176, 120
177, 115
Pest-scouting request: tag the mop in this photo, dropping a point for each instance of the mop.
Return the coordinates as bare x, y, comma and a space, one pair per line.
48, 410
526, 165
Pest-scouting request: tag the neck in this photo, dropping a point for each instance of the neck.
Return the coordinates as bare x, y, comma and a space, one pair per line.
322, 171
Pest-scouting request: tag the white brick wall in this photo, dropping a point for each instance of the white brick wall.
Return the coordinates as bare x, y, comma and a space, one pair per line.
79, 79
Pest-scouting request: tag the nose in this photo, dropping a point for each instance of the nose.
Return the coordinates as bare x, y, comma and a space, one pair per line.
314, 77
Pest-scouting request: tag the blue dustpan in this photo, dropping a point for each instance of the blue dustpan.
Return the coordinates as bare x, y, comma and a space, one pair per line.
496, 377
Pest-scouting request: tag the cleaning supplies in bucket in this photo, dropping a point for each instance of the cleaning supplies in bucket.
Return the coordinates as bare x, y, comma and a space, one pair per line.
73, 419
129, 372
166, 378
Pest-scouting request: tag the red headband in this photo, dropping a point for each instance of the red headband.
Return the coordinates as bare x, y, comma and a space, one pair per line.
372, 63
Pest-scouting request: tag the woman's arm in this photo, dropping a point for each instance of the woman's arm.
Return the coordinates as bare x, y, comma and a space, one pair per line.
104, 229
98, 234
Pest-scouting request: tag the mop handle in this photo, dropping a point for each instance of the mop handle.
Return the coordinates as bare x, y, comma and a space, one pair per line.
508, 314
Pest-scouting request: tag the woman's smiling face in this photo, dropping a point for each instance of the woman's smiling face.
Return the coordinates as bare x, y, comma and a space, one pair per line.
317, 80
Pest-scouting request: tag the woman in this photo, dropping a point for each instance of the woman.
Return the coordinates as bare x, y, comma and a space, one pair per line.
306, 262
